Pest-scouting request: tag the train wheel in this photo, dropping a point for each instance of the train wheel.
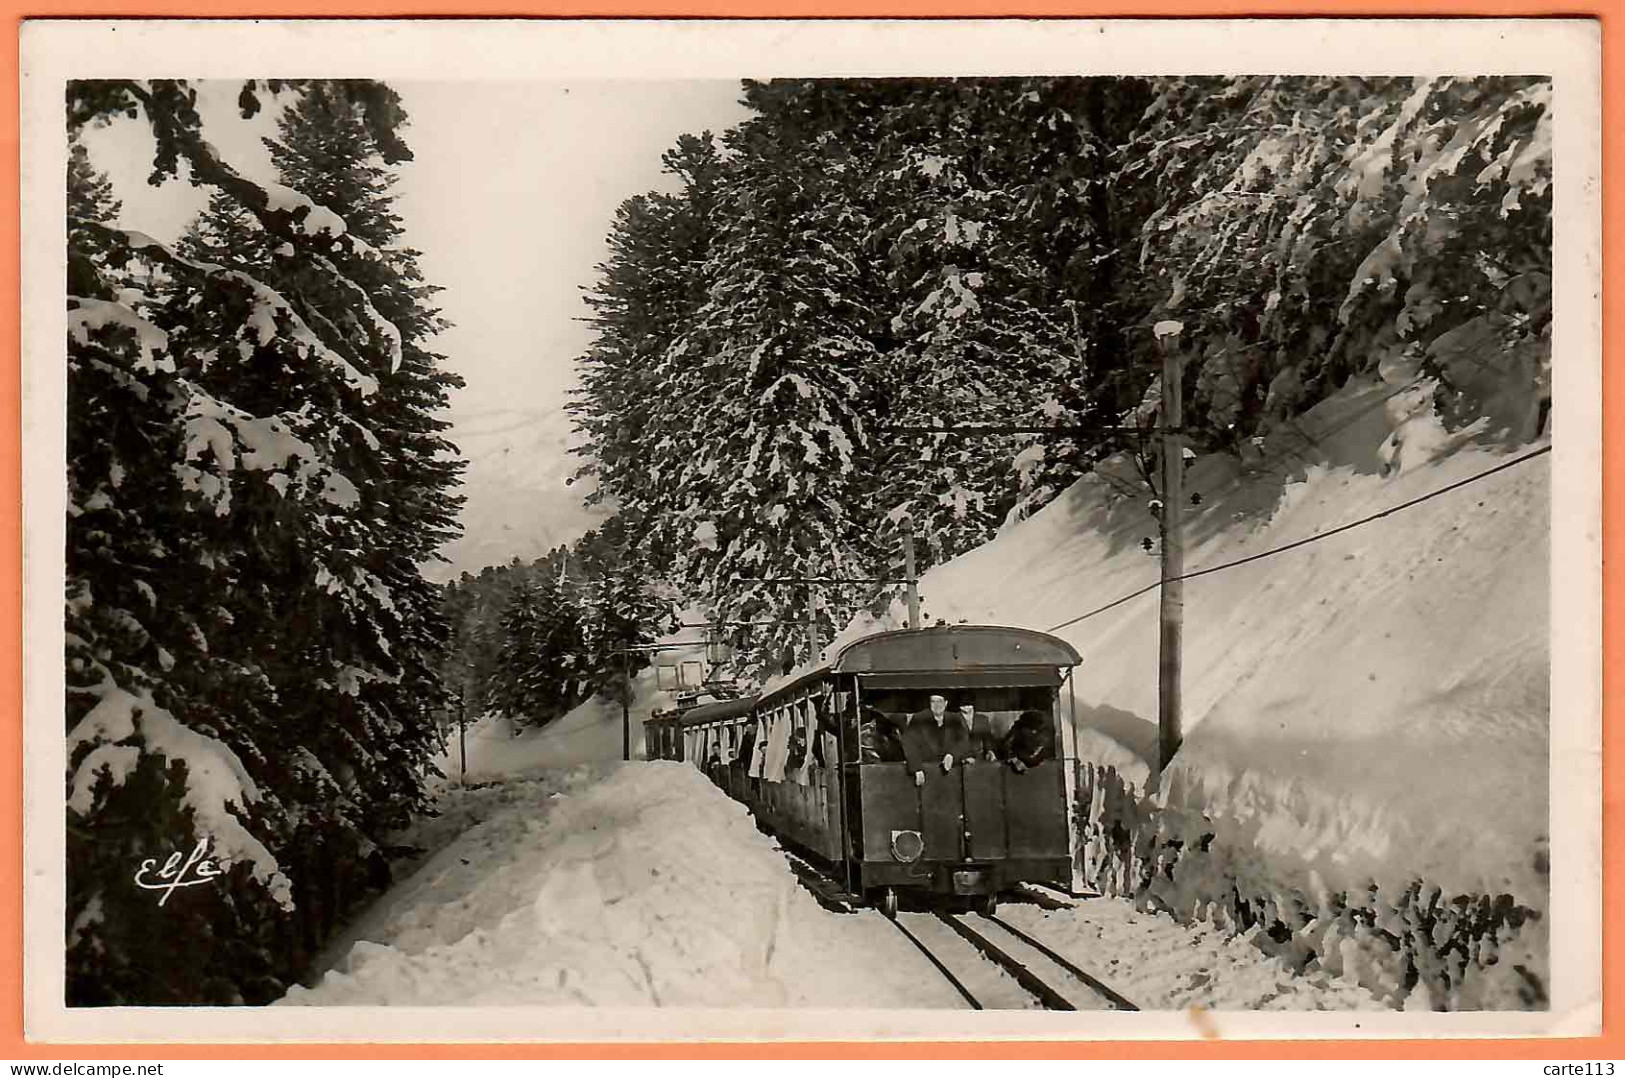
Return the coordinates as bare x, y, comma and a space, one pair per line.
888, 903
988, 904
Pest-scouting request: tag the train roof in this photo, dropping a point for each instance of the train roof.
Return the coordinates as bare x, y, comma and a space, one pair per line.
717, 711
946, 655
953, 647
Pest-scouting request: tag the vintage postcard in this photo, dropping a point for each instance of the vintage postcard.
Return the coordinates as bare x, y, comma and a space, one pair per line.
1047, 530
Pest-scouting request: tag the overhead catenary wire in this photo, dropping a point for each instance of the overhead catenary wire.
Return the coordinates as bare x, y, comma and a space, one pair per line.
1269, 460
1271, 552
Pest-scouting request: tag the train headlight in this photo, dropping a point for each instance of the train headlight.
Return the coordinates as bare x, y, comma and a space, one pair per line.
907, 845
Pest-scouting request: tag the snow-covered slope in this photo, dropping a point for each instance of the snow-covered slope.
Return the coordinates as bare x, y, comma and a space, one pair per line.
1366, 716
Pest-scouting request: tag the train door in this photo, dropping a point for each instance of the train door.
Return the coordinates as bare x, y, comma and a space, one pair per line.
1066, 724
983, 791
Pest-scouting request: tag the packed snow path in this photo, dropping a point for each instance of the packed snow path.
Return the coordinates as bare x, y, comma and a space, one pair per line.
648, 887
642, 884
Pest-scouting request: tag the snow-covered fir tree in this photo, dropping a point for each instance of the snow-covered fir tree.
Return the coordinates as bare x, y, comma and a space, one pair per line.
542, 667
882, 254
648, 289
624, 605
871, 264
255, 475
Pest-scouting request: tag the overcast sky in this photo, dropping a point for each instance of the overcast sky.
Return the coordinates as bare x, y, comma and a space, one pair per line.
509, 198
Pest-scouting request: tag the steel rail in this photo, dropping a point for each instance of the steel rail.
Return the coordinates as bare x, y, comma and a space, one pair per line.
1117, 1001
1049, 997
937, 962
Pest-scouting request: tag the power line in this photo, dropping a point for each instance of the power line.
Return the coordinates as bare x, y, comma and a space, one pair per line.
812, 580
1102, 609
999, 429
1375, 516
1503, 466
1267, 461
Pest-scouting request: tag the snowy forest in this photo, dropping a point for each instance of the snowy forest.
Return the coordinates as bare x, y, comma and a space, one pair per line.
533, 640
864, 260
260, 481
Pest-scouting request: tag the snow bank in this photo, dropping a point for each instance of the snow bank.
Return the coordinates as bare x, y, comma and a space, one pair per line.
648, 887
497, 748
1162, 966
1365, 764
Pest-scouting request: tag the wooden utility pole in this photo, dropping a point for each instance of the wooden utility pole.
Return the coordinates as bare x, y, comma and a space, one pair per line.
908, 572
626, 706
462, 736
1170, 725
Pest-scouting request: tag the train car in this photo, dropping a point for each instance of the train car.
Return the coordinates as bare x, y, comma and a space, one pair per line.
706, 734
814, 758
660, 736
663, 729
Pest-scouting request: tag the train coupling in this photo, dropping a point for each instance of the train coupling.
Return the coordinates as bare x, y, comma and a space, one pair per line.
973, 880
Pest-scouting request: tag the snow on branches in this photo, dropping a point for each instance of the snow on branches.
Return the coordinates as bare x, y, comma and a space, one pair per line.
867, 256
122, 727
1322, 225
255, 476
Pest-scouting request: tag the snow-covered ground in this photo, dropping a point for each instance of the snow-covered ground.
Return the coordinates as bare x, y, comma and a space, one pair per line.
643, 885
646, 886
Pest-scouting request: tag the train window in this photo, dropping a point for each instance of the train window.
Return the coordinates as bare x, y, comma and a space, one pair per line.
850, 749
1000, 705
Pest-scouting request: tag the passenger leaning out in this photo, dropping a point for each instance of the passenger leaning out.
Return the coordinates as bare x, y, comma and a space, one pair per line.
932, 741
1030, 742
798, 750
980, 729
747, 747
878, 738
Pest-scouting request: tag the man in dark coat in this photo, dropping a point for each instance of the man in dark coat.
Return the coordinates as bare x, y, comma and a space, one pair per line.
1030, 741
980, 729
747, 747
933, 740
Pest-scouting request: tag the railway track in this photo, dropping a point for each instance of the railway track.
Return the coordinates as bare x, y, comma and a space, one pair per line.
994, 965
991, 963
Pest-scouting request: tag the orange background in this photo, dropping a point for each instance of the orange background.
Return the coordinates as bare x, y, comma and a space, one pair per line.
1610, 1045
